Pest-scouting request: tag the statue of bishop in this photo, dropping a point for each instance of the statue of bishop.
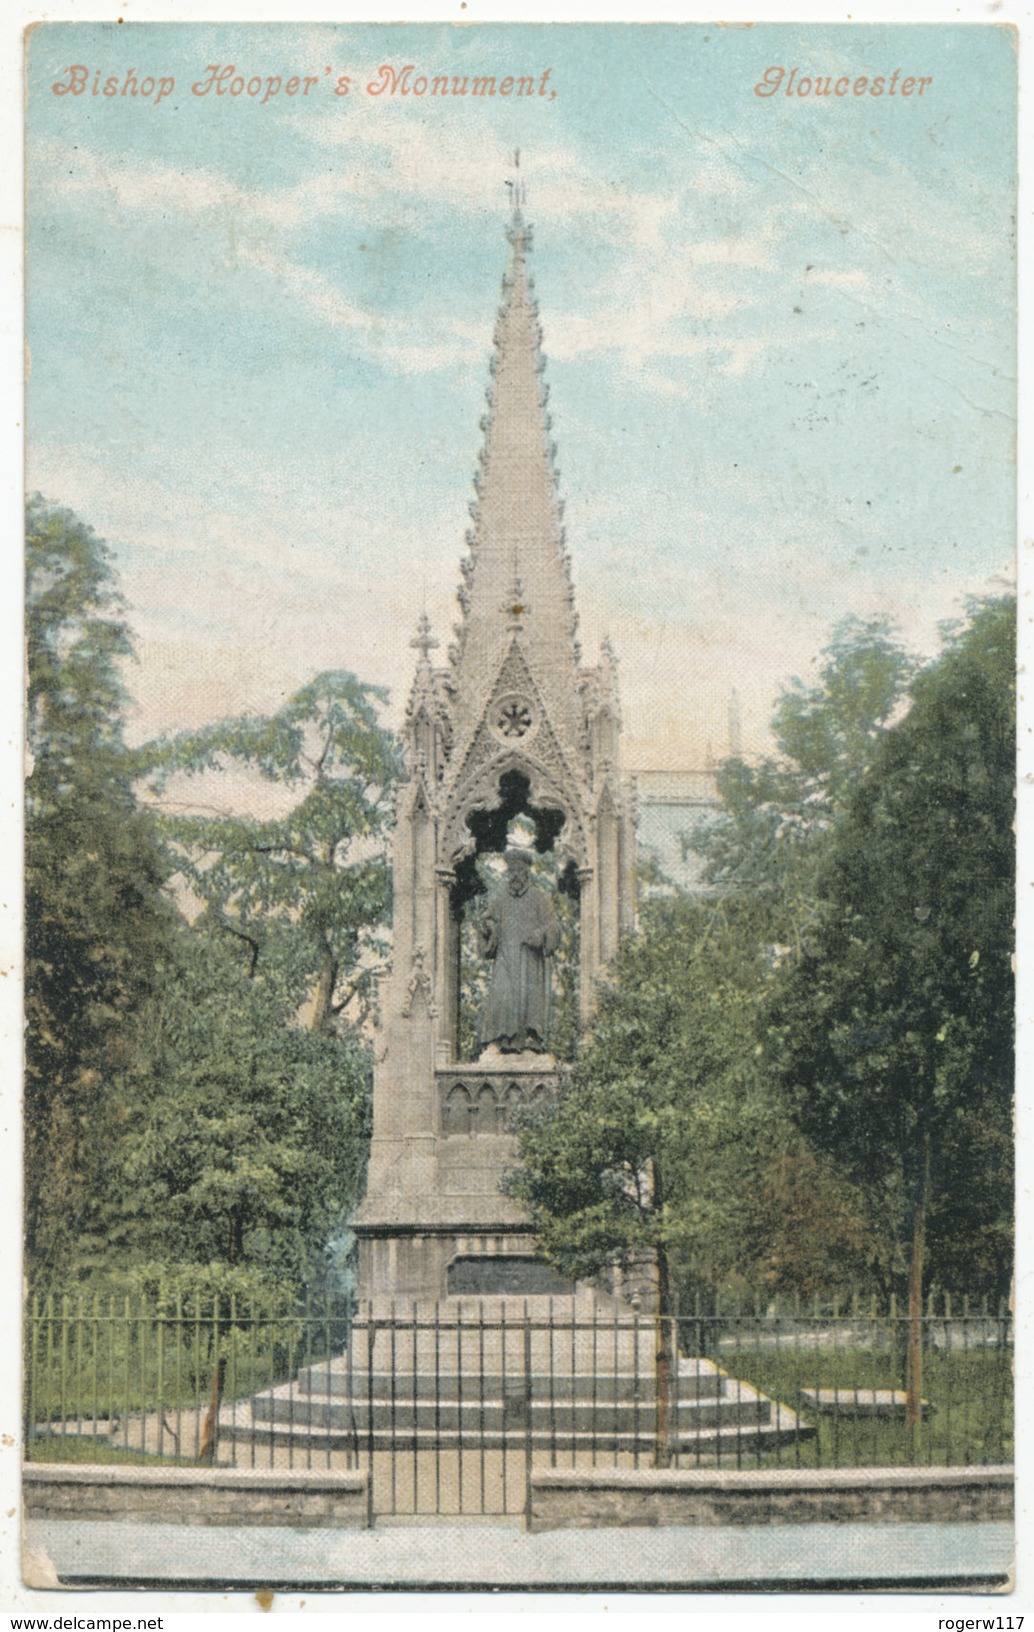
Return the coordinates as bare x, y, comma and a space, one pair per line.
519, 933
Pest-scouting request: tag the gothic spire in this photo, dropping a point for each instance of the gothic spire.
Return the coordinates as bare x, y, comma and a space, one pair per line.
517, 538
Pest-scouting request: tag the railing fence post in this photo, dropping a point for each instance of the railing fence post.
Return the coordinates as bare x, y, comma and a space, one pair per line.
527, 1417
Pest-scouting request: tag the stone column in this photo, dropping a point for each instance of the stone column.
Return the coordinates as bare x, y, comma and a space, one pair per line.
403, 861
627, 878
588, 943
446, 966
423, 884
609, 880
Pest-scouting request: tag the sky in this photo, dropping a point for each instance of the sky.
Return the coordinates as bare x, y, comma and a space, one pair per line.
779, 334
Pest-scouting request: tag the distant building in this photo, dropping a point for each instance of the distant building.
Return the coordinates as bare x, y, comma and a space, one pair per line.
674, 807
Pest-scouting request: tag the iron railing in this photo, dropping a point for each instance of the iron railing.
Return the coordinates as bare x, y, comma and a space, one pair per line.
450, 1405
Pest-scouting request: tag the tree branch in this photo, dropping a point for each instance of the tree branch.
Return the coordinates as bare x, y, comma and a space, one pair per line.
249, 940
318, 764
338, 1008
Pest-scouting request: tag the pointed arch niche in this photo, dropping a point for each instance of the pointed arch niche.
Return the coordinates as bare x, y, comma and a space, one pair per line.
473, 874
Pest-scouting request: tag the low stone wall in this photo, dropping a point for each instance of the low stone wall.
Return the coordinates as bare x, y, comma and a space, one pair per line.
597, 1497
178, 1495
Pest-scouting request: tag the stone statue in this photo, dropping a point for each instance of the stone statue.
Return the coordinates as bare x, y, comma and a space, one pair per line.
519, 934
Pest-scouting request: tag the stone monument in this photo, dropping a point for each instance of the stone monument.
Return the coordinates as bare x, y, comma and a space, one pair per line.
466, 1344
511, 751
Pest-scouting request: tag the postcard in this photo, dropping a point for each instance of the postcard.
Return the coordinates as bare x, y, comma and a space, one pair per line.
520, 628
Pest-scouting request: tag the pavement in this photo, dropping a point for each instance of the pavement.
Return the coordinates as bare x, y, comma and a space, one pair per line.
493, 1554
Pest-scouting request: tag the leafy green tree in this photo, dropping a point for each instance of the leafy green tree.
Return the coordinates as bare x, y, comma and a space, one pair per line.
244, 1135
97, 922
241, 1151
669, 1142
179, 1120
777, 813
894, 1031
672, 1138
310, 888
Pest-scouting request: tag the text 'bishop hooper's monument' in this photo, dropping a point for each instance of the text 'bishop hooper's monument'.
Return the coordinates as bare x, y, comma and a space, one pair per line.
513, 863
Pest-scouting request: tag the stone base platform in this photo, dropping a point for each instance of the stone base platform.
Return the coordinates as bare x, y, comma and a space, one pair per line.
569, 1374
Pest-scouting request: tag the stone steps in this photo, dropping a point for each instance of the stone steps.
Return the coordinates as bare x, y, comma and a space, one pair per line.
491, 1414
729, 1445
713, 1418
339, 1379
504, 1374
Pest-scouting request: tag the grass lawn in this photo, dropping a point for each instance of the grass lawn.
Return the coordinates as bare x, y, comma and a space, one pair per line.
81, 1448
971, 1393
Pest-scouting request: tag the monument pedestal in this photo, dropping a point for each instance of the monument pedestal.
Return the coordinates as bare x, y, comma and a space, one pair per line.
435, 1221
445, 1400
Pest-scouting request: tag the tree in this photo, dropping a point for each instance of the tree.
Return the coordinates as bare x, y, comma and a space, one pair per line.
778, 813
245, 1134
669, 1141
672, 1139
894, 1032
311, 887
241, 1152
97, 922
180, 1121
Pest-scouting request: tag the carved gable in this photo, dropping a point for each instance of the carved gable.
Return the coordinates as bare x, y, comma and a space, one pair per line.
515, 732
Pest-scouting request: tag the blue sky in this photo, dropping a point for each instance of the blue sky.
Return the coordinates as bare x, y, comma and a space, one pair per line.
779, 335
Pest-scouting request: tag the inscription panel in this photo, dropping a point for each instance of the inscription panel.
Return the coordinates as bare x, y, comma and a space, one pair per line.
519, 1274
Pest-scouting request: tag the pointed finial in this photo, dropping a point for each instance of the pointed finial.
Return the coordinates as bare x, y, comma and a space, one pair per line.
517, 231
423, 640
515, 606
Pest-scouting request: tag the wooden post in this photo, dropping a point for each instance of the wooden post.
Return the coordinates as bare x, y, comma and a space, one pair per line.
914, 1364
663, 1367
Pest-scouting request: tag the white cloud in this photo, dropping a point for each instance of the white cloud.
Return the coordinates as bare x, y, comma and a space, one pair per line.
463, 165
313, 289
852, 278
665, 290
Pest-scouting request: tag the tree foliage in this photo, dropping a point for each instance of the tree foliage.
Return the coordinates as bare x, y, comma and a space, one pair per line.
894, 1031
96, 919
244, 1134
777, 813
310, 887
668, 1139
179, 1118
784, 1076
